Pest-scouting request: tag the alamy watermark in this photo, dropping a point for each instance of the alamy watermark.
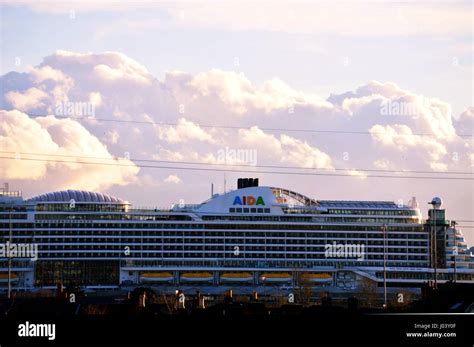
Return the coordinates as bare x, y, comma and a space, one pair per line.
344, 250
403, 108
19, 250
75, 109
234, 156
28, 329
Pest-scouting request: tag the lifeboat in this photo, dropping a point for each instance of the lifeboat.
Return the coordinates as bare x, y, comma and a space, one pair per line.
4, 277
197, 277
236, 277
316, 277
275, 277
156, 277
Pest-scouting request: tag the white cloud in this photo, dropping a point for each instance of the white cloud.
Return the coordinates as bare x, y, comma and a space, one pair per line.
220, 97
382, 164
105, 72
188, 155
112, 136
95, 99
386, 103
465, 122
173, 179
358, 174
427, 152
107, 67
402, 138
285, 149
237, 93
441, 167
41, 74
300, 153
353, 104
56, 140
184, 131
31, 99
258, 138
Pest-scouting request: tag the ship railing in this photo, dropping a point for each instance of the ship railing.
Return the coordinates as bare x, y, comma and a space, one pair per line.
149, 209
301, 209
185, 208
172, 208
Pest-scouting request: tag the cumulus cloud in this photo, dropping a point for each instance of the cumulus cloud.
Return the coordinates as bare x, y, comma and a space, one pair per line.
237, 93
30, 99
121, 72
173, 179
60, 142
256, 137
382, 164
182, 132
358, 174
465, 122
386, 103
112, 136
44, 73
240, 95
399, 121
95, 99
402, 139
286, 149
188, 155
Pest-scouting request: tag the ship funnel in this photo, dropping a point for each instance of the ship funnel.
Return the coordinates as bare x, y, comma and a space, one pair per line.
247, 182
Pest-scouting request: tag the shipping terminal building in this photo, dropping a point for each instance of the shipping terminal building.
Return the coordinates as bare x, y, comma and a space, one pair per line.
252, 236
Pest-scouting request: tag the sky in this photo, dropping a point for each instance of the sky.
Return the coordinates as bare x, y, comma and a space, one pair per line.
317, 97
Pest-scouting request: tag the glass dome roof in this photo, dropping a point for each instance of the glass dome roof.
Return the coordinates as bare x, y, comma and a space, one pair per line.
77, 196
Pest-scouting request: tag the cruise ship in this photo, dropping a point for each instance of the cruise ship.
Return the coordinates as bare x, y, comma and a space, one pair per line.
249, 236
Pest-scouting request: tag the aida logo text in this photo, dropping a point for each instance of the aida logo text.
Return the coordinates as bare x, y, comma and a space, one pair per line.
248, 200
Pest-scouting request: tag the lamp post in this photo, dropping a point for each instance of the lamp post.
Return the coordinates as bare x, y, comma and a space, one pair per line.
455, 252
384, 229
9, 256
436, 202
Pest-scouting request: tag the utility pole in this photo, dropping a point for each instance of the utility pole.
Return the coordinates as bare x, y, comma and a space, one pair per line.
9, 256
455, 251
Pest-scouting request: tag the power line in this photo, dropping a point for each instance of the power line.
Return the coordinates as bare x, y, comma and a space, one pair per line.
238, 165
234, 127
234, 170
